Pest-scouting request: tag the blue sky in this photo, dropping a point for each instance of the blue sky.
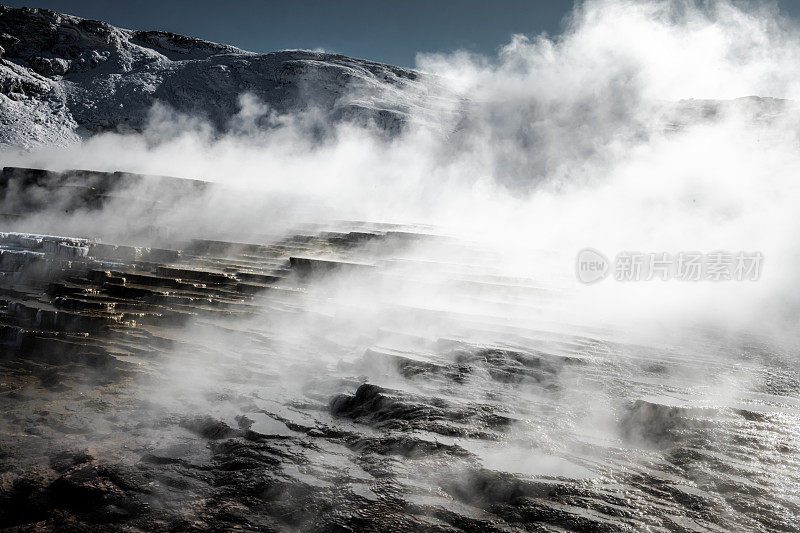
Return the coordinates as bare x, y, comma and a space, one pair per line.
387, 31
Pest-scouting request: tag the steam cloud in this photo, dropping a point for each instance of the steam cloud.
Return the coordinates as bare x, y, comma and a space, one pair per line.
629, 131
585, 139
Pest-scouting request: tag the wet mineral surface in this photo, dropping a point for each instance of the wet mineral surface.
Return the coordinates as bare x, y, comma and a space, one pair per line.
353, 376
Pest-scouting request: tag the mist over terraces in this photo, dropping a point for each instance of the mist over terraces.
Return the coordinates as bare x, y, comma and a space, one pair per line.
377, 330
309, 381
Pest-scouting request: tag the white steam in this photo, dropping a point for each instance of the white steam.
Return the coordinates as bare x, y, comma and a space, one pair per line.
589, 139
556, 144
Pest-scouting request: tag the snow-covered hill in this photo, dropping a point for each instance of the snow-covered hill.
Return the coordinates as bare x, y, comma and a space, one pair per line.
63, 77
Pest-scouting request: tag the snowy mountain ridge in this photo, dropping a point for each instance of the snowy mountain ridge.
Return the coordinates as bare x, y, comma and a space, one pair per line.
63, 77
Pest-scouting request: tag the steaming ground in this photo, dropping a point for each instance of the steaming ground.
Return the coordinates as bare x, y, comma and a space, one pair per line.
359, 376
341, 329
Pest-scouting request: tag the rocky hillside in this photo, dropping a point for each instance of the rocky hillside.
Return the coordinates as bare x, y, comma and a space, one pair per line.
63, 77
